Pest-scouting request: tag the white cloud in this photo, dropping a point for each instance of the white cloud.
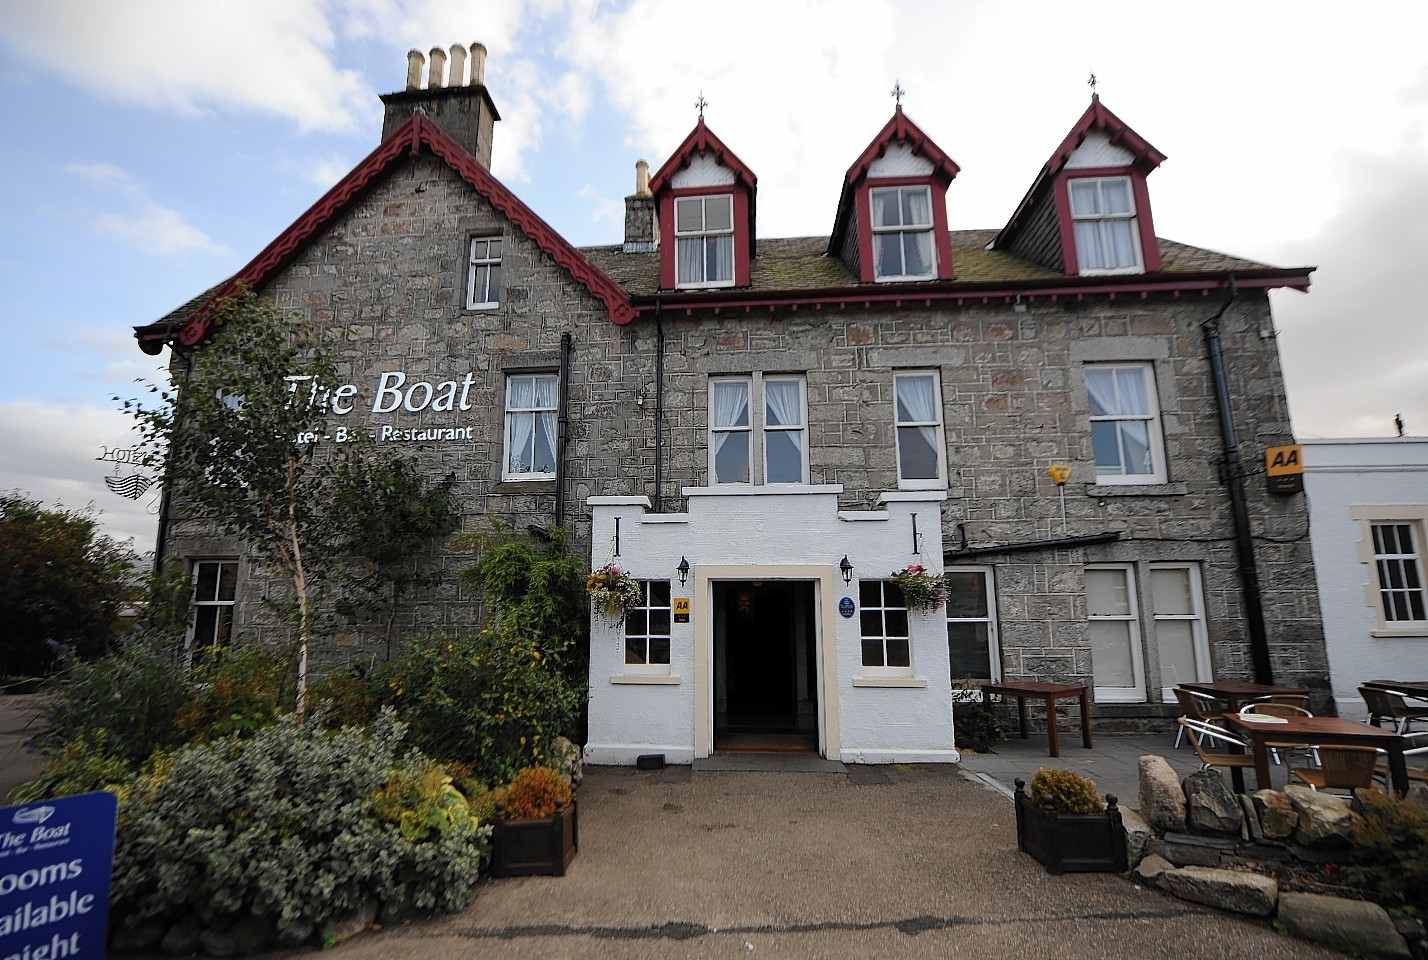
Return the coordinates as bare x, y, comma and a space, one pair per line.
146, 225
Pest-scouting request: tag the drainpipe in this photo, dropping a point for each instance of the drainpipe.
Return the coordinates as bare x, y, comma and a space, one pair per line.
659, 413
1234, 469
165, 494
562, 418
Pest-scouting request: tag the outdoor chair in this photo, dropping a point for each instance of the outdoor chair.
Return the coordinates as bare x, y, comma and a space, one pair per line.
1197, 706
1274, 707
1393, 706
1414, 773
1341, 768
1199, 731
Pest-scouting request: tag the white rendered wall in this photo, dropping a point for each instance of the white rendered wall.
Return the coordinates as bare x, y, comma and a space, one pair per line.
749, 533
1340, 476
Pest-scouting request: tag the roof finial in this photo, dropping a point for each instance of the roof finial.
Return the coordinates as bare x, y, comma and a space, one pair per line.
700, 104
1091, 82
897, 92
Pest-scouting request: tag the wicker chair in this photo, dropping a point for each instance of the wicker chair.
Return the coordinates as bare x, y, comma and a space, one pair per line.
1341, 768
1197, 706
1392, 706
1199, 731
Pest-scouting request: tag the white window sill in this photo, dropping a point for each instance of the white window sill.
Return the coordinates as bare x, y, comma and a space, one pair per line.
889, 682
1405, 633
483, 306
718, 285
668, 679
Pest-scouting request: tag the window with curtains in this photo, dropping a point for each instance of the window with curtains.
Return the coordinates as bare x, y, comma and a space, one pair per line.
1398, 574
704, 241
531, 400
921, 458
1178, 609
483, 278
1166, 630
1125, 423
758, 429
1117, 665
902, 233
1103, 219
215, 584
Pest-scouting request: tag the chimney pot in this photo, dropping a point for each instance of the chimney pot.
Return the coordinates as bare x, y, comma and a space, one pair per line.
642, 178
436, 76
457, 72
478, 64
415, 61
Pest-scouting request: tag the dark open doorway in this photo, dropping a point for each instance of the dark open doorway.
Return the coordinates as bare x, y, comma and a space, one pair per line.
765, 666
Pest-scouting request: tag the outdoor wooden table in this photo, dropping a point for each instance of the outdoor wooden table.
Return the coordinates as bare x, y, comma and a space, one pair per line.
1236, 693
1050, 693
1414, 688
1320, 731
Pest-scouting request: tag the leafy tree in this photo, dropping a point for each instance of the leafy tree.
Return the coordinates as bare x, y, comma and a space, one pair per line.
62, 585
232, 435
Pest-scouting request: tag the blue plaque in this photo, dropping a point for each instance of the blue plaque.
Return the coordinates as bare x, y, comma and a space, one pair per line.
845, 607
56, 859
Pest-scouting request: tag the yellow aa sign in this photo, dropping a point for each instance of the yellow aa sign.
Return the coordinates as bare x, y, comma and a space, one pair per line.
1280, 461
1059, 473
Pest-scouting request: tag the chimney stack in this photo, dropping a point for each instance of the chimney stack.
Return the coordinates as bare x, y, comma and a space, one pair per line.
641, 216
462, 108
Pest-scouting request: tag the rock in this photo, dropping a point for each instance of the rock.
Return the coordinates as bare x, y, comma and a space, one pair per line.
1232, 890
251, 934
1418, 795
1182, 854
1210, 804
217, 943
1138, 834
565, 759
1356, 926
1252, 831
339, 929
295, 934
182, 938
1324, 819
1277, 816
142, 937
1150, 869
1162, 801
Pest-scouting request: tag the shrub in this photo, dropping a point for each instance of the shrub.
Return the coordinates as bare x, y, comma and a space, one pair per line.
534, 792
82, 765
1389, 857
238, 690
979, 722
1064, 790
285, 826
421, 801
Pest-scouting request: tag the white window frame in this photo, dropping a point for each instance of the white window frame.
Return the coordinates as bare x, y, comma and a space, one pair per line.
483, 273
904, 229
938, 482
1198, 629
510, 419
1155, 439
192, 642
1101, 222
886, 590
646, 606
994, 652
758, 428
702, 236
1412, 597
1136, 693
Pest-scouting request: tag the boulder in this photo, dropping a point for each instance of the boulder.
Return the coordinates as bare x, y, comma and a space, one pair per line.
1162, 801
1138, 834
1149, 870
1233, 890
143, 936
1324, 819
1210, 805
342, 928
216, 942
564, 758
251, 934
182, 938
1360, 926
1277, 816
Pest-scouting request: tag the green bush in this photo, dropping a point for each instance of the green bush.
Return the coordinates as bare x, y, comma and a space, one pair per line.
1065, 790
1390, 852
285, 826
236, 690
979, 722
81, 766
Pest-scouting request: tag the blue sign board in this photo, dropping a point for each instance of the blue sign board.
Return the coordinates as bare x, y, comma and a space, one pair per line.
845, 607
56, 858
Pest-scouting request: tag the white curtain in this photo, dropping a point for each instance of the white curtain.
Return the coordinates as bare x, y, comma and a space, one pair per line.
546, 393
916, 207
690, 253
916, 401
782, 398
731, 409
1101, 391
531, 399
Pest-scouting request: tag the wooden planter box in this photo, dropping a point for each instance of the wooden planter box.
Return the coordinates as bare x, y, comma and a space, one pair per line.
1071, 842
525, 847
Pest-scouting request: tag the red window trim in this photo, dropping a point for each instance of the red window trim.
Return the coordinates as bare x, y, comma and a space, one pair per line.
1149, 249
941, 238
742, 269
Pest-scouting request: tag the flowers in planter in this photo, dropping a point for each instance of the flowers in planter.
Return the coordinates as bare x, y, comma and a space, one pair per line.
612, 591
920, 589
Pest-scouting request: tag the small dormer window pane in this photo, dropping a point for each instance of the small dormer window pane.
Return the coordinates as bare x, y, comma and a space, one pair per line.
704, 241
902, 232
1103, 211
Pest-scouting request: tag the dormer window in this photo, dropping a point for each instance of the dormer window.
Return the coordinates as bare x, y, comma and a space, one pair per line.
1103, 213
704, 241
902, 233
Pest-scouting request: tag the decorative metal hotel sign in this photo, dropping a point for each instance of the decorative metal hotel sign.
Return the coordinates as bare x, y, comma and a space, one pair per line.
132, 486
1284, 469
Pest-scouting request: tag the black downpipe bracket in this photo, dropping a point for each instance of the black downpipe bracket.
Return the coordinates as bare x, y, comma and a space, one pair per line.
562, 418
1235, 475
659, 413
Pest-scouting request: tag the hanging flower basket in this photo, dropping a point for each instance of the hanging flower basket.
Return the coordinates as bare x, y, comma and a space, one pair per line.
920, 589
613, 592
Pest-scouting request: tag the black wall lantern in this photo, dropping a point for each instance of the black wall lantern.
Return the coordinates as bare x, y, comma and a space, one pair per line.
683, 569
846, 568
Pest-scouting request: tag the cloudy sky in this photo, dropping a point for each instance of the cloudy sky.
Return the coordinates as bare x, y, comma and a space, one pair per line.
153, 147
